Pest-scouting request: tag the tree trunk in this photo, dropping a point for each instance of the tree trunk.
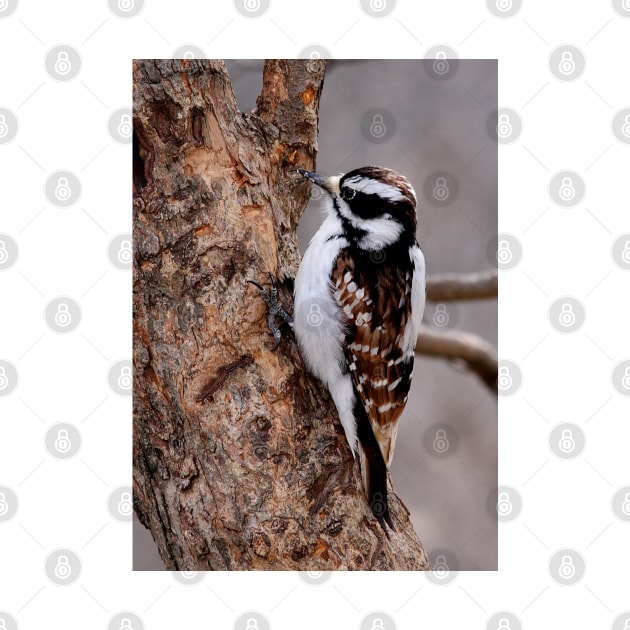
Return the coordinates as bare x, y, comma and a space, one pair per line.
239, 459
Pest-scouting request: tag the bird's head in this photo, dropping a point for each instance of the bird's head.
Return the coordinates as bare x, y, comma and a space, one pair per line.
376, 206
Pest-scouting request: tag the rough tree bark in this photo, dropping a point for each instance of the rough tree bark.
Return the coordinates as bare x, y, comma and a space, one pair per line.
239, 460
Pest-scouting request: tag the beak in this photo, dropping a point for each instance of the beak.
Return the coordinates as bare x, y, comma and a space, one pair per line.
329, 184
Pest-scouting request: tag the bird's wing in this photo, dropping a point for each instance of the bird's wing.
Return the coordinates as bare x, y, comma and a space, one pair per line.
376, 306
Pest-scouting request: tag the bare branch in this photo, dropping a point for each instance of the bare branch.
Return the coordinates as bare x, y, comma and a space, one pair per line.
477, 353
447, 287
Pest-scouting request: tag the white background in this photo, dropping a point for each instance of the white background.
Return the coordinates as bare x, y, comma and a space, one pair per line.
63, 377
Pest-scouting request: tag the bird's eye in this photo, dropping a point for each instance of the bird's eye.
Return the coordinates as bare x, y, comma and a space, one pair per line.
348, 193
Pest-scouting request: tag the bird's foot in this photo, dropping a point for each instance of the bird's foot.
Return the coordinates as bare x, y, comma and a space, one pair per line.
275, 309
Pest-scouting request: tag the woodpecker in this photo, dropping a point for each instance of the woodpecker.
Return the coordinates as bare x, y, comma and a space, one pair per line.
359, 299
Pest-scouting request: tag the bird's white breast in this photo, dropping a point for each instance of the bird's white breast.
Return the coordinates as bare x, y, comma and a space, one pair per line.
317, 318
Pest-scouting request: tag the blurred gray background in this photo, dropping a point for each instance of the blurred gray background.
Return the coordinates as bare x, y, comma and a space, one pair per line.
435, 122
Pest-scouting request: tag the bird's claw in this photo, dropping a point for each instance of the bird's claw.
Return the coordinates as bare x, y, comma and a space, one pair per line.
275, 309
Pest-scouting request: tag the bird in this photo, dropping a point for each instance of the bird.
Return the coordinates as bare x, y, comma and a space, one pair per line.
359, 297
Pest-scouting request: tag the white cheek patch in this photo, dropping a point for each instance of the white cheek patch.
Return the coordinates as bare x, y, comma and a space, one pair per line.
380, 233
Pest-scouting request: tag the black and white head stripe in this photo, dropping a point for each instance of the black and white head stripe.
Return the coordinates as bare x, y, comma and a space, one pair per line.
375, 180
369, 186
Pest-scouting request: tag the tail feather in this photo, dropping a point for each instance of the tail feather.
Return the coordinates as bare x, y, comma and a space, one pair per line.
373, 468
